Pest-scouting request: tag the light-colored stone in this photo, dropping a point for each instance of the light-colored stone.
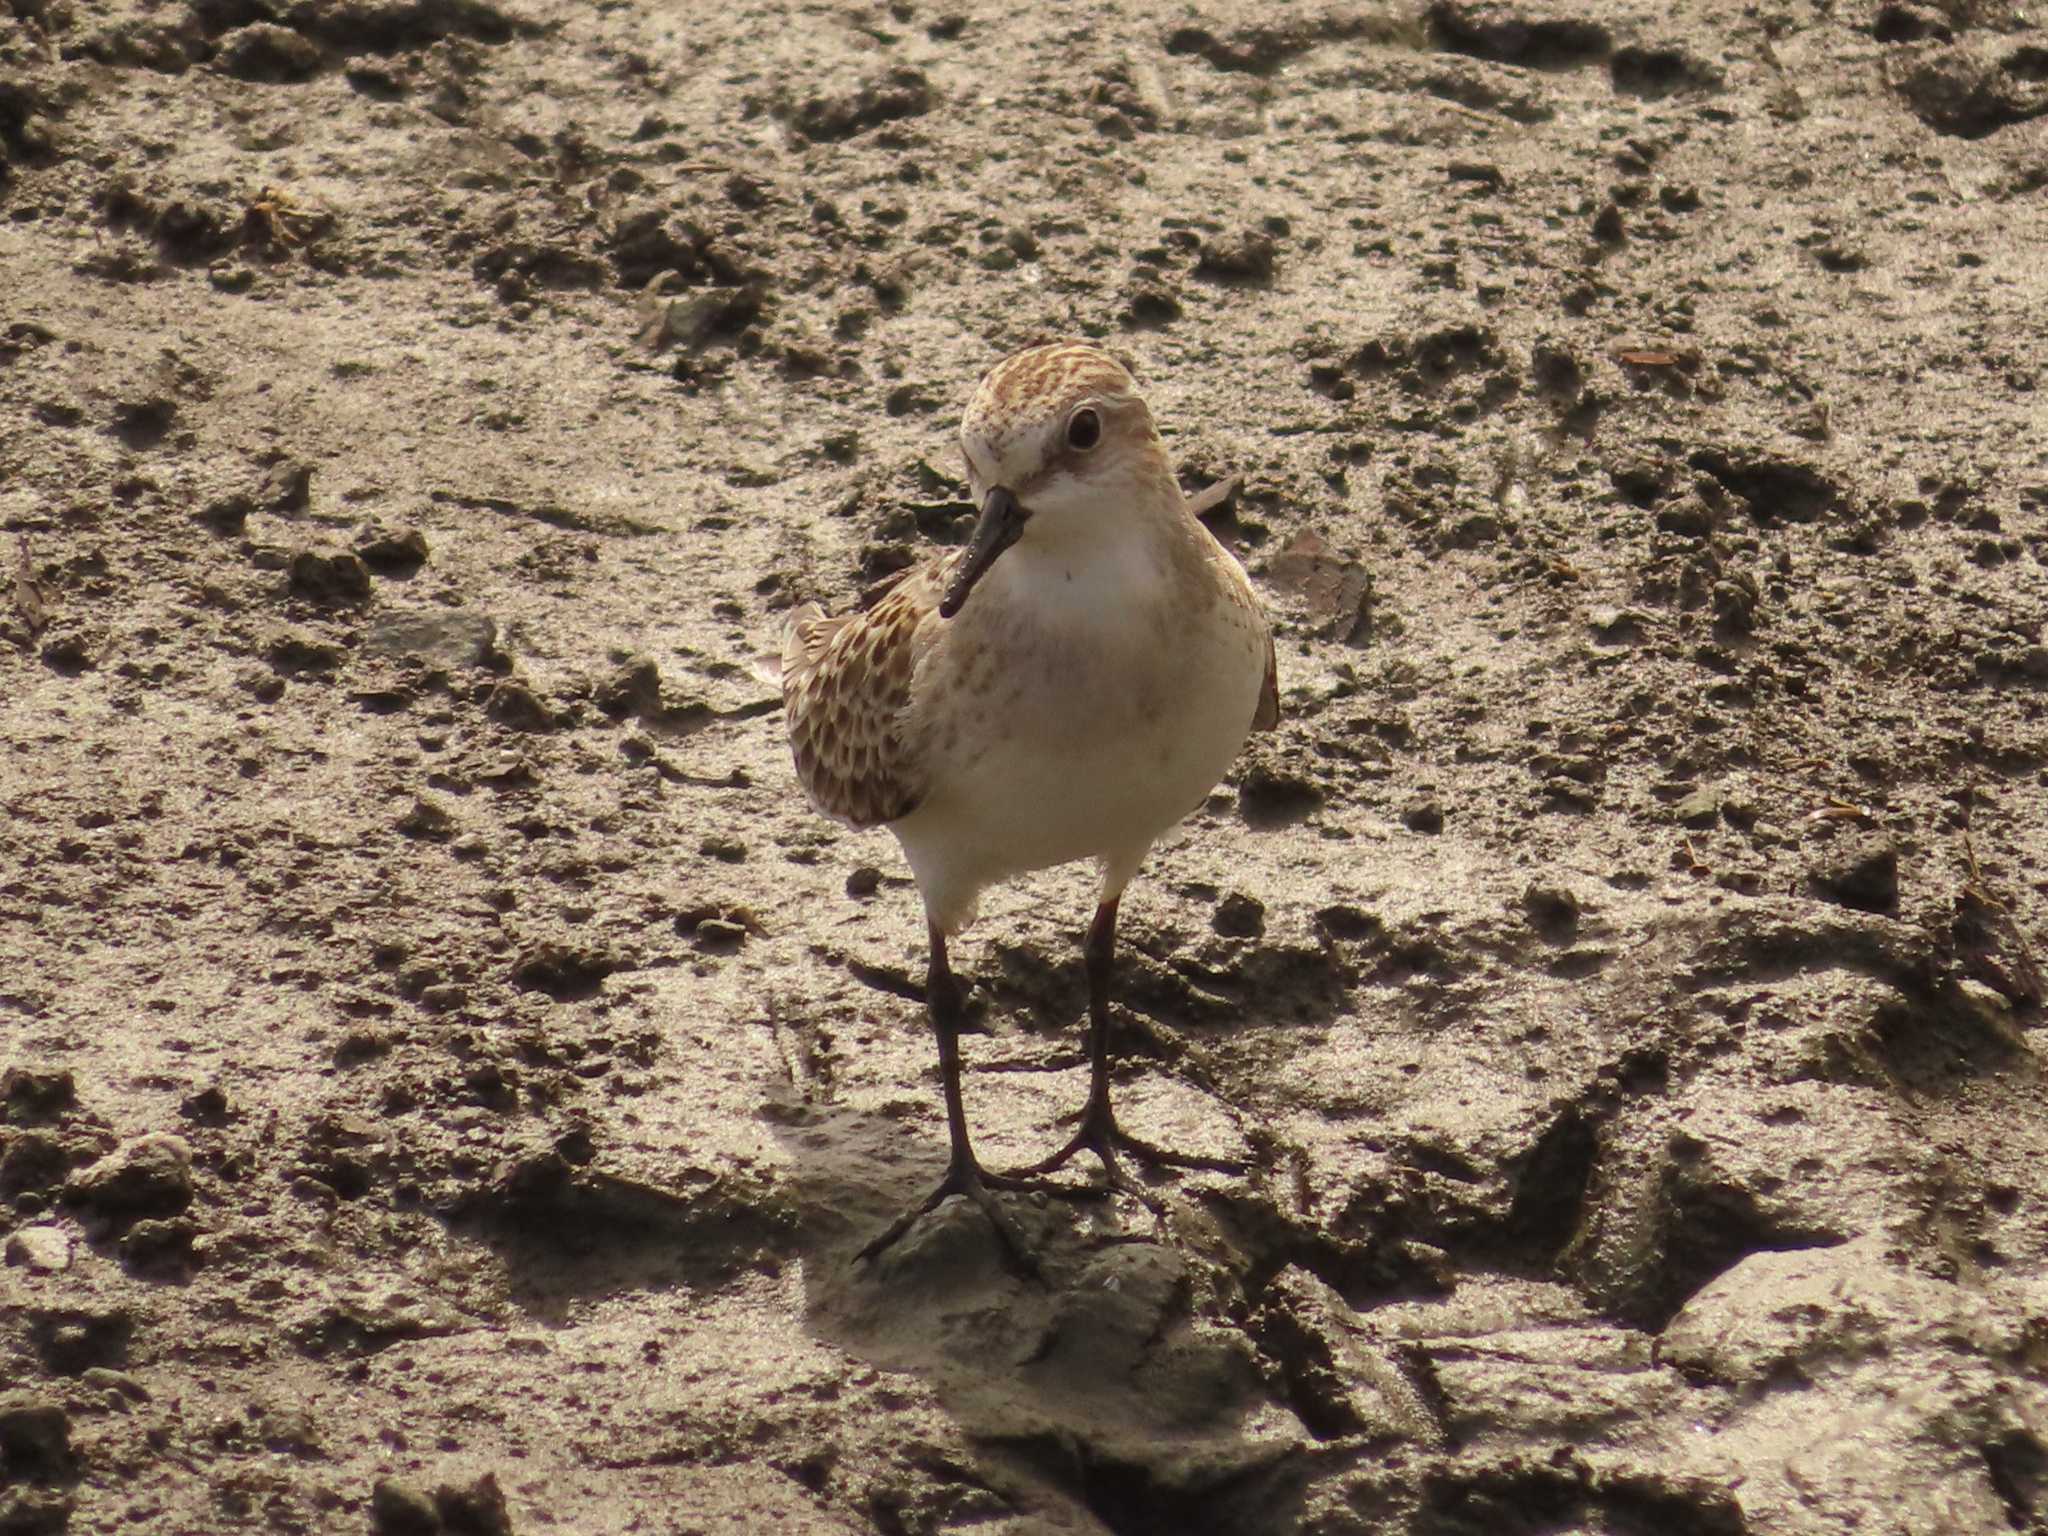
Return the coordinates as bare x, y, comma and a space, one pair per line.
40, 1250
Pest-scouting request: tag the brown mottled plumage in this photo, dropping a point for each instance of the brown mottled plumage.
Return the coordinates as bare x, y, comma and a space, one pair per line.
846, 685
1067, 687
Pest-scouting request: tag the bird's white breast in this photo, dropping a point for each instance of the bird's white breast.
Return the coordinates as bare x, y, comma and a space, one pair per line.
1077, 711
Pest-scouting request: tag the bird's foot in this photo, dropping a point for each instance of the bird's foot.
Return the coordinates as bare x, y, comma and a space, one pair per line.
1099, 1133
967, 1177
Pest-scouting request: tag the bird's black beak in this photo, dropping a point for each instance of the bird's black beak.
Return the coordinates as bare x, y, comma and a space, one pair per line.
1001, 521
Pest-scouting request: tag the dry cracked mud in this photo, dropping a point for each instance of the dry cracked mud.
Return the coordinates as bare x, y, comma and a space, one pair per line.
447, 1067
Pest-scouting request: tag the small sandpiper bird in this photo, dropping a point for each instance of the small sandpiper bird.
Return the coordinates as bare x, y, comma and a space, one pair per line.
1068, 686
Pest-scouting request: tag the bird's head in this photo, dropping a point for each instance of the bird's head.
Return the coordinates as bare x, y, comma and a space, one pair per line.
1059, 446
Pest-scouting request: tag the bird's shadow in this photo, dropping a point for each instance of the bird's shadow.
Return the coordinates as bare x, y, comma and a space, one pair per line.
1107, 1385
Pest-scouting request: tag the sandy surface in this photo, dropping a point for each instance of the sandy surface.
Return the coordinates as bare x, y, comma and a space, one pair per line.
448, 1066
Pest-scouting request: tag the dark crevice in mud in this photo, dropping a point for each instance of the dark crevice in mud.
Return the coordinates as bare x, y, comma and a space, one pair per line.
2018, 1468
1504, 36
1550, 1192
1708, 1227
1654, 73
566, 1231
1773, 490
1357, 1269
1526, 1498
1137, 1499
566, 975
1260, 50
373, 26
1764, 947
1934, 1039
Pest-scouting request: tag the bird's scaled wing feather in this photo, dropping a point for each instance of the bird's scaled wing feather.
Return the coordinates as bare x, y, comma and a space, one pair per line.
846, 684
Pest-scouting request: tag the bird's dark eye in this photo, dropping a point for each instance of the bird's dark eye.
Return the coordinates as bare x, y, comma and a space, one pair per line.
1084, 430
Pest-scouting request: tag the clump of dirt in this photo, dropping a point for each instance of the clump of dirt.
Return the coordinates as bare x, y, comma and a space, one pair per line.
447, 1067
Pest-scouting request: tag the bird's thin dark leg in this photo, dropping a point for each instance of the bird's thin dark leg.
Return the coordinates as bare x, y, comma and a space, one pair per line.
1098, 1132
964, 1176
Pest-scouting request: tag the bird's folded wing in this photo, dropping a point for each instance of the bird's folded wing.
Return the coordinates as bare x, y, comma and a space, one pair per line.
846, 684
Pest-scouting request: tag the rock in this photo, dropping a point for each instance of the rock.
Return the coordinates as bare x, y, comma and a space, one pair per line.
1735, 601
715, 935
428, 819
100, 1379
150, 1176
286, 486
287, 1427
159, 1244
67, 651
634, 689
1425, 815
563, 973
1860, 872
40, 1250
1149, 301
1553, 910
35, 1438
1239, 916
1618, 626
227, 515
292, 652
360, 1326
477, 1510
34, 1512
864, 881
392, 551
444, 639
517, 707
902, 92
268, 53
34, 1160
1971, 89
144, 421
1701, 808
399, 1509
1340, 1379
31, 1095
330, 575
1247, 257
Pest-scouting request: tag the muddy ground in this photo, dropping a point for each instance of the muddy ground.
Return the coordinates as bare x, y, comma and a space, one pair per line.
447, 1065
